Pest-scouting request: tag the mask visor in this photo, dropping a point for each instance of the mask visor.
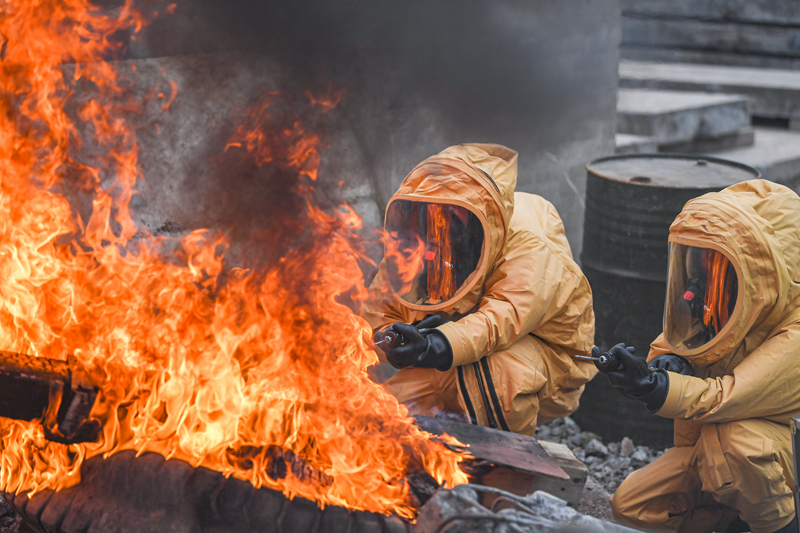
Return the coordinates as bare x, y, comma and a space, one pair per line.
702, 288
432, 250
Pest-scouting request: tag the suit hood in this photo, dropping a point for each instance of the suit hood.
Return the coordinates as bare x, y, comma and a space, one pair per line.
756, 225
481, 178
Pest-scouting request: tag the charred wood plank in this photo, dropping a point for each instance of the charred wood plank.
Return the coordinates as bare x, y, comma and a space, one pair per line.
512, 462
55, 392
500, 448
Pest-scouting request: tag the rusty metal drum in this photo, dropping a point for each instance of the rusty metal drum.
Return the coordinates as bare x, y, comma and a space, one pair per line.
631, 201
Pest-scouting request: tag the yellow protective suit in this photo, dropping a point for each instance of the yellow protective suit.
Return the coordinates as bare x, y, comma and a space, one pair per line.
733, 452
529, 309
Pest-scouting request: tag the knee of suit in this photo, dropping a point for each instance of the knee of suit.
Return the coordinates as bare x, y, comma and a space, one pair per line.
621, 502
752, 455
740, 441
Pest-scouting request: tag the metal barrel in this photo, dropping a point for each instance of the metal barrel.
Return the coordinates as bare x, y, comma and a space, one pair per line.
631, 201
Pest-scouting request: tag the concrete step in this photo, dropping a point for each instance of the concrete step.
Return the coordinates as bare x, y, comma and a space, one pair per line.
707, 57
738, 139
634, 144
774, 93
776, 153
765, 12
741, 33
719, 36
680, 116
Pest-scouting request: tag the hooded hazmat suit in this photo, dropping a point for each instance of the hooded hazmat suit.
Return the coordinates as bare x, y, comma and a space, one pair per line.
516, 322
733, 453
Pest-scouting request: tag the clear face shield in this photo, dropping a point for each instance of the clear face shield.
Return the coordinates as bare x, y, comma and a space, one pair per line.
432, 251
702, 289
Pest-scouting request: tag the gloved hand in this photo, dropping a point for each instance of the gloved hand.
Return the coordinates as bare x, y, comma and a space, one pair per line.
672, 363
634, 379
423, 346
430, 321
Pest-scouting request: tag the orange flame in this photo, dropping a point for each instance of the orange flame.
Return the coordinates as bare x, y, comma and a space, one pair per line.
405, 259
216, 367
719, 288
441, 281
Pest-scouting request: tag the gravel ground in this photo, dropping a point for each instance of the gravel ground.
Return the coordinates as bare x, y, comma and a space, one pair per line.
608, 463
10, 521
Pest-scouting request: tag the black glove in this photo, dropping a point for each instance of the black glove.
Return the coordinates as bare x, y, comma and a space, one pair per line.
672, 363
430, 321
634, 379
423, 346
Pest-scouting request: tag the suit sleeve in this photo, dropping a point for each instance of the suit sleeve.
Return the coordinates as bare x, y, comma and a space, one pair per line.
764, 384
658, 347
533, 290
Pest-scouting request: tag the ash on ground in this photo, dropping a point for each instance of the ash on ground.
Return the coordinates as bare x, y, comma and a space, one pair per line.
461, 510
10, 521
608, 464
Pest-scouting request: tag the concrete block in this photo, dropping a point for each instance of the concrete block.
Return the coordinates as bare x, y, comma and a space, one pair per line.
763, 11
634, 144
677, 116
776, 153
713, 57
774, 93
711, 35
738, 139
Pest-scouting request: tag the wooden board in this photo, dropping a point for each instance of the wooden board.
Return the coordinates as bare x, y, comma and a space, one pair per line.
501, 448
516, 463
570, 490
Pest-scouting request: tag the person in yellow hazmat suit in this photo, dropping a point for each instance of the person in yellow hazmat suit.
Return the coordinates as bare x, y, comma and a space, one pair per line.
480, 292
726, 368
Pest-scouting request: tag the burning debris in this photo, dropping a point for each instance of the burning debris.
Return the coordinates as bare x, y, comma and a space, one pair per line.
55, 392
259, 374
127, 493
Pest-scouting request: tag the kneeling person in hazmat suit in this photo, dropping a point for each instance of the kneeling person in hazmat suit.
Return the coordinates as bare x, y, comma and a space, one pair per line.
478, 300
726, 368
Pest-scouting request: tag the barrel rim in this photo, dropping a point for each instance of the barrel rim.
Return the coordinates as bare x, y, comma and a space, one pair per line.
693, 157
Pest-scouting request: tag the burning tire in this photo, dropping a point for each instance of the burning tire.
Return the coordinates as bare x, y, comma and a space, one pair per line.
129, 494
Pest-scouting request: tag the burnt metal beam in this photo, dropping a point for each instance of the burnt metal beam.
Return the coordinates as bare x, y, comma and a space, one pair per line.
56, 393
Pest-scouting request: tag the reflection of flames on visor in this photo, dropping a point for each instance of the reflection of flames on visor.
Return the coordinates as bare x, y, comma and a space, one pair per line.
441, 280
720, 285
406, 259
424, 265
214, 367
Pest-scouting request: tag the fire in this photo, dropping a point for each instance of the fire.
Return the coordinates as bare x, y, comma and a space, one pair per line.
441, 282
719, 288
225, 368
406, 259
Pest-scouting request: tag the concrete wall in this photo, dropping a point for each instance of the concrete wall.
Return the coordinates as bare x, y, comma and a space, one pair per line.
420, 75
756, 33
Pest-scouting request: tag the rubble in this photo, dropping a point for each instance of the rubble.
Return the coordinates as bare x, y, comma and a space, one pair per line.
459, 510
10, 521
608, 464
